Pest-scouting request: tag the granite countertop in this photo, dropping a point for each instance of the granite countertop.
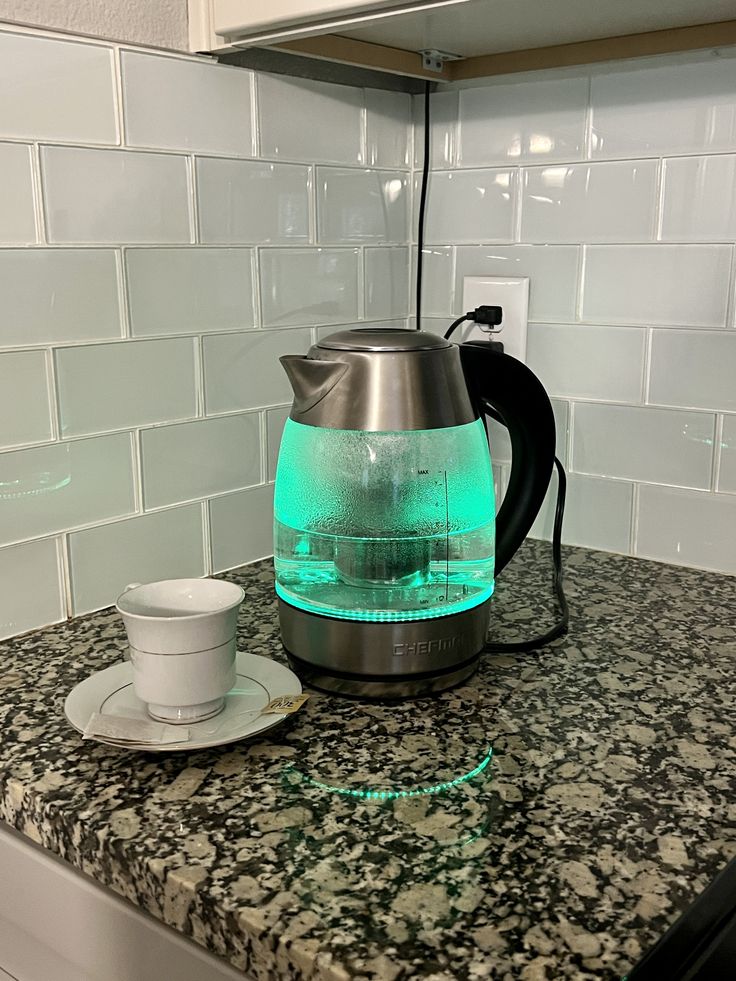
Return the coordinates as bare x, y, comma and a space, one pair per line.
607, 807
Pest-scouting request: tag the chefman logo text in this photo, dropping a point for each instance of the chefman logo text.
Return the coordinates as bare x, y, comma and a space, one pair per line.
427, 647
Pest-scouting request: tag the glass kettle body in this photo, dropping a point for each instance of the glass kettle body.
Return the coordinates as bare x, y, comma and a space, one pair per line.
384, 526
384, 512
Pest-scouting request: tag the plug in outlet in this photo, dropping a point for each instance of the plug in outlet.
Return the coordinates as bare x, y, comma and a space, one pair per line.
509, 292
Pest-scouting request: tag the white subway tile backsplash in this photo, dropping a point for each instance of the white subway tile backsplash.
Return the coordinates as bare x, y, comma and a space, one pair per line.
699, 201
53, 296
309, 286
241, 201
552, 271
32, 595
64, 485
587, 362
386, 283
17, 222
302, 119
670, 107
56, 90
667, 446
693, 368
523, 121
388, 121
242, 371
727, 475
442, 129
25, 413
656, 284
119, 386
599, 202
471, 206
362, 206
99, 196
180, 291
437, 285
275, 422
571, 219
597, 513
164, 545
687, 528
195, 459
241, 527
186, 105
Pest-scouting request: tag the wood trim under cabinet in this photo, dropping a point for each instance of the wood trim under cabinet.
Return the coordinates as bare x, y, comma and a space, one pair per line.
674, 39
349, 51
398, 61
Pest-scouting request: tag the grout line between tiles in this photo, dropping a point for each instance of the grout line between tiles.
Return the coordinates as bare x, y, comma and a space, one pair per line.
207, 551
121, 269
263, 441
119, 98
361, 284
570, 434
582, 259
199, 378
518, 200
39, 214
144, 338
364, 131
64, 568
194, 231
731, 298
138, 471
255, 118
588, 120
634, 533
647, 365
717, 451
54, 396
312, 204
256, 273
659, 198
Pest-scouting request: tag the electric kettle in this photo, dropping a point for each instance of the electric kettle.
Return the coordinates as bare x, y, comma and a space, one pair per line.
386, 541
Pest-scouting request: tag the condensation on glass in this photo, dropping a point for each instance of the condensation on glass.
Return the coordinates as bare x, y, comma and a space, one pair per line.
384, 526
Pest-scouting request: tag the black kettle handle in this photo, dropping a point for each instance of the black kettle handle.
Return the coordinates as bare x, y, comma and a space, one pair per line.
519, 399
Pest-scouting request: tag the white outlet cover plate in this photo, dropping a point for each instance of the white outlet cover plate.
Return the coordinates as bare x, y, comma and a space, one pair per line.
509, 292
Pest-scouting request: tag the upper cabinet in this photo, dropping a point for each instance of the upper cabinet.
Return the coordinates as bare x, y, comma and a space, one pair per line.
455, 39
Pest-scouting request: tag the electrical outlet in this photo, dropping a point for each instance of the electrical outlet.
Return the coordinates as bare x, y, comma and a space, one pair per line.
509, 292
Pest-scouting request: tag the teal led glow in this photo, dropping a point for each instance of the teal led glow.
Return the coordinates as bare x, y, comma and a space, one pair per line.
438, 788
385, 616
385, 526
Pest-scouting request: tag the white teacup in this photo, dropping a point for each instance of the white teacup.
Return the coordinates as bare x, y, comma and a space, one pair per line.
182, 645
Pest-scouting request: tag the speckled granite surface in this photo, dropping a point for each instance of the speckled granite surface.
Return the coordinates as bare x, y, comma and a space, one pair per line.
609, 803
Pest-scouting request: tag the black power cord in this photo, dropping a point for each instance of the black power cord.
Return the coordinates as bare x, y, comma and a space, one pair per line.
560, 628
492, 316
422, 206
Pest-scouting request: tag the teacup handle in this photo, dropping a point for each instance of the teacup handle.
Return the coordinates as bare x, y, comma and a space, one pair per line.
132, 585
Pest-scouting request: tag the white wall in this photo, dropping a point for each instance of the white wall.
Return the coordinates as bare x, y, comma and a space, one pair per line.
614, 190
168, 228
162, 23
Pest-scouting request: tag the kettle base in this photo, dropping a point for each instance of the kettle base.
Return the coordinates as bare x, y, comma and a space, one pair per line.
369, 659
357, 687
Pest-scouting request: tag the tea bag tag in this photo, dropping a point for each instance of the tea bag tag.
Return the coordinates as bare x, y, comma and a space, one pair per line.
285, 704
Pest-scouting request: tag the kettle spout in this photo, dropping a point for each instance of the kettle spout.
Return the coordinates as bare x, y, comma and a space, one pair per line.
311, 379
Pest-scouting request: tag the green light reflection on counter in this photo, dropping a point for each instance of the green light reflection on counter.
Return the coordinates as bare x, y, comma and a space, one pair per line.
396, 794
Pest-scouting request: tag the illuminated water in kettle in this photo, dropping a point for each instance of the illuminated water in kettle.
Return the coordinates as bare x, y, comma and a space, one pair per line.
384, 526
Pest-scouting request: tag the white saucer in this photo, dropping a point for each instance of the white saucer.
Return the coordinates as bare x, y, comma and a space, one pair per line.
259, 680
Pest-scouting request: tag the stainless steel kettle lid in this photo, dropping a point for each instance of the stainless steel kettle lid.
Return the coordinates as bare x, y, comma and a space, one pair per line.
383, 339
386, 380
